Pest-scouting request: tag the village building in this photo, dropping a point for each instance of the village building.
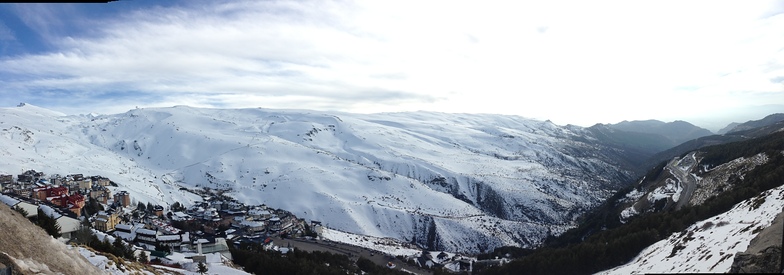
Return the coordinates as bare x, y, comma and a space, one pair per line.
259, 214
173, 240
274, 224
75, 177
50, 191
281, 224
106, 221
29, 207
146, 236
84, 184
210, 214
211, 245
29, 176
100, 194
127, 231
237, 220
122, 198
100, 181
56, 179
253, 227
163, 226
157, 211
6, 179
23, 191
180, 216
66, 220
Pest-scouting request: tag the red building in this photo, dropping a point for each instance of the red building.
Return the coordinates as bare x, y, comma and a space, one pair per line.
76, 200
75, 203
58, 195
49, 191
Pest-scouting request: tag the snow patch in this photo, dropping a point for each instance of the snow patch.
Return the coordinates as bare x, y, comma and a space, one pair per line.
708, 246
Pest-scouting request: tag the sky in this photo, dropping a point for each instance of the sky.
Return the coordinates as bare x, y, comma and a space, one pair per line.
571, 62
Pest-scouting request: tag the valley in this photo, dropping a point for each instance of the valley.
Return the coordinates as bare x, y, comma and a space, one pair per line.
455, 182
441, 182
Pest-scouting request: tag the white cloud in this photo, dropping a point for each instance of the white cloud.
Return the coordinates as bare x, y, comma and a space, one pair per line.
6, 34
570, 61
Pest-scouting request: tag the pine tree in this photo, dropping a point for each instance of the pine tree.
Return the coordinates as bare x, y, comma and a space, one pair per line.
49, 224
21, 211
202, 268
143, 257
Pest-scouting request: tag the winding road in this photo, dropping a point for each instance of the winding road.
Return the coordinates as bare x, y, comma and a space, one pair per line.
686, 179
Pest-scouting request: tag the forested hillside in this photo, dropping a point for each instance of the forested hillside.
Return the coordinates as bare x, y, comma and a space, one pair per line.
602, 241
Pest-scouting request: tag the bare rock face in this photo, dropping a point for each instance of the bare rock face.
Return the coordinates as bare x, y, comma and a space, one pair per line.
26, 249
767, 261
764, 252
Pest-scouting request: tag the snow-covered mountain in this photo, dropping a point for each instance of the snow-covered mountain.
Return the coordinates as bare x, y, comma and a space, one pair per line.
708, 210
711, 245
453, 182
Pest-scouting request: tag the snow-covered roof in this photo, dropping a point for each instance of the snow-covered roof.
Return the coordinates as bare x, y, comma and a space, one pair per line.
51, 212
8, 200
259, 212
166, 238
144, 231
123, 227
252, 223
180, 214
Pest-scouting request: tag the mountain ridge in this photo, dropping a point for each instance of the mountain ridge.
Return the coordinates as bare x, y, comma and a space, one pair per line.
751, 124
458, 182
729, 191
454, 182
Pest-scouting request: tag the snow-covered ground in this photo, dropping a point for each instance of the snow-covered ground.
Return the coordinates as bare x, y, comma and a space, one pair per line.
708, 246
384, 245
476, 181
215, 264
108, 266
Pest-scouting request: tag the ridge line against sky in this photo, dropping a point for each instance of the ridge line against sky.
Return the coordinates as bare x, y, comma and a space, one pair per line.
572, 62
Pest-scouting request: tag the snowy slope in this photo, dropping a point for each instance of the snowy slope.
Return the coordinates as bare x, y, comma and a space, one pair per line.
43, 140
709, 246
446, 181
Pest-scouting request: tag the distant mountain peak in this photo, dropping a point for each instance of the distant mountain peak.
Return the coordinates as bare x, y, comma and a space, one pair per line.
30, 108
677, 132
751, 124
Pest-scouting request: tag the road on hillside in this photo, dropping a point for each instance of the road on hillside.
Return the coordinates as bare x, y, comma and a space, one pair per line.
688, 182
354, 252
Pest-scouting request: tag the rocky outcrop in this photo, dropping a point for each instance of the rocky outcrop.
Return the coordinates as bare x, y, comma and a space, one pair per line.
27, 249
764, 252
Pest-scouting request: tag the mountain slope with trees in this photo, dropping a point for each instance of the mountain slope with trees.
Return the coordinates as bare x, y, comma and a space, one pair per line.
604, 240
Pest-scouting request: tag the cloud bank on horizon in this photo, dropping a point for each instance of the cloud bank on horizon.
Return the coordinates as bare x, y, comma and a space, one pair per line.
568, 61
